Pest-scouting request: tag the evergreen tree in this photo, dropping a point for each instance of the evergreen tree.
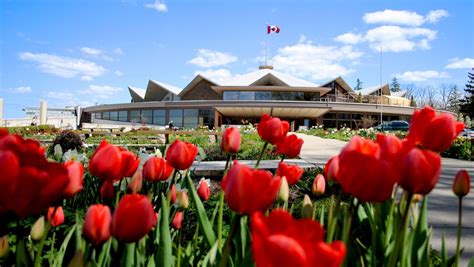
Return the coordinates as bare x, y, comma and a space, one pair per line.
394, 85
467, 104
358, 85
454, 98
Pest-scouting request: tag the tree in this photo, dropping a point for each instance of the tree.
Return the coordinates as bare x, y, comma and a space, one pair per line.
467, 104
359, 98
412, 101
358, 85
453, 103
394, 85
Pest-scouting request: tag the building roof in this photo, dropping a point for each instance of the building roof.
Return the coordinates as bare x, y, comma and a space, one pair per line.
372, 89
193, 83
156, 91
341, 82
170, 88
137, 94
267, 76
399, 93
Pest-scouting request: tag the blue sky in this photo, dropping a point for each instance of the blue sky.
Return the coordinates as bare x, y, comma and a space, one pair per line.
87, 52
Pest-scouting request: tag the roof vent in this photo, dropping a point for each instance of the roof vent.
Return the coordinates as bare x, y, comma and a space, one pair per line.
262, 67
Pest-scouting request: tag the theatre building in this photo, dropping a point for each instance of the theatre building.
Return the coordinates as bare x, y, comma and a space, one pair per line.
243, 99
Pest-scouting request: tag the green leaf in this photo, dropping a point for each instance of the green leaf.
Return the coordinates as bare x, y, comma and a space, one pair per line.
471, 262
58, 261
165, 257
201, 212
210, 258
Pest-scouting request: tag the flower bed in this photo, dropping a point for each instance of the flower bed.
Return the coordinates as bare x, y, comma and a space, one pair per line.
114, 208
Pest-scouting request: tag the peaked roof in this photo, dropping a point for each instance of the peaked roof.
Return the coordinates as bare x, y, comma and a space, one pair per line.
340, 81
137, 94
267, 75
399, 93
170, 88
195, 81
372, 89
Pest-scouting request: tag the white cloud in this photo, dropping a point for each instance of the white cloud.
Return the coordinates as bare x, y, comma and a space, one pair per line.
87, 78
91, 51
18, 90
349, 38
218, 75
65, 67
209, 58
100, 91
435, 15
403, 17
158, 5
421, 76
118, 51
399, 39
457, 63
65, 96
317, 62
118, 73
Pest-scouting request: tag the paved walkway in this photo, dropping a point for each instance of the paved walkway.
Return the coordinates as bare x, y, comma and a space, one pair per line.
442, 204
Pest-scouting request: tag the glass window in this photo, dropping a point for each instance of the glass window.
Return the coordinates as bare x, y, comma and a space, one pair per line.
123, 115
231, 95
159, 116
190, 112
159, 120
98, 115
106, 115
159, 113
176, 116
146, 116
246, 95
176, 112
263, 95
135, 116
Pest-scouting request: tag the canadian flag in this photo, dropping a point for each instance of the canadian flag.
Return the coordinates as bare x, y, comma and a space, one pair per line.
272, 28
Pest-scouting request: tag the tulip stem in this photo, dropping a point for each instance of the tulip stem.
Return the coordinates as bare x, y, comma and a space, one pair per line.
458, 244
41, 244
261, 155
228, 242
282, 158
178, 264
227, 163
402, 226
220, 218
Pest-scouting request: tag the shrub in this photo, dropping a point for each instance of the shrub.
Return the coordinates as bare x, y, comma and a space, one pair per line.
68, 140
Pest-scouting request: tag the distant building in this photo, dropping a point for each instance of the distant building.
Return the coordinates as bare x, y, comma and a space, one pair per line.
246, 97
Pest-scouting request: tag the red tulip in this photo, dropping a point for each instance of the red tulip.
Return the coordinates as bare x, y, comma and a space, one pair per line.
331, 169
203, 190
106, 162
133, 218
363, 173
173, 193
29, 183
136, 183
419, 171
231, 140
289, 146
435, 132
156, 169
107, 190
280, 240
319, 185
75, 172
130, 163
462, 183
180, 155
97, 224
390, 147
248, 190
272, 129
292, 173
56, 216
177, 221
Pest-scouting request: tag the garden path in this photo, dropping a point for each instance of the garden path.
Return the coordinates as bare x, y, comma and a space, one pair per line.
442, 204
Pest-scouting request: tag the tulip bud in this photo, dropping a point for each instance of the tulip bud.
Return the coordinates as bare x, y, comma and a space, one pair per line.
177, 222
203, 189
307, 208
173, 193
77, 260
136, 183
107, 190
416, 198
462, 184
231, 140
4, 247
319, 185
56, 216
58, 152
37, 231
283, 191
183, 199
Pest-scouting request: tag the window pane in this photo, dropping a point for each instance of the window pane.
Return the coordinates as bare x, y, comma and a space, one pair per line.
176, 112
159, 120
231, 95
159, 113
135, 116
190, 119
123, 115
106, 115
246, 95
263, 95
190, 112
147, 113
98, 115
